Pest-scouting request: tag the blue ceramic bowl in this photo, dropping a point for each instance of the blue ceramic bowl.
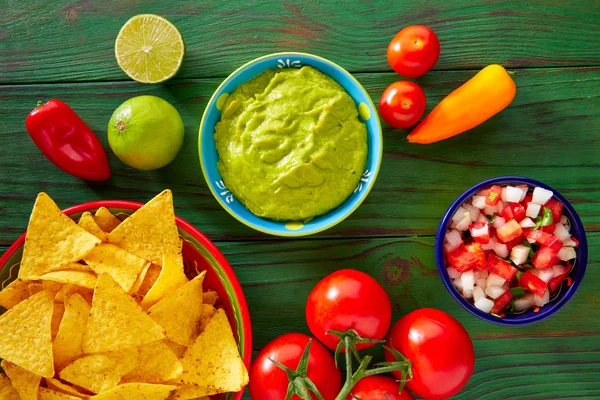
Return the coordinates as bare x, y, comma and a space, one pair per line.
209, 156
565, 293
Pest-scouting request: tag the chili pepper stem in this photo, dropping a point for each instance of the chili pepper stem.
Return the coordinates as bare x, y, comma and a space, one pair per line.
511, 73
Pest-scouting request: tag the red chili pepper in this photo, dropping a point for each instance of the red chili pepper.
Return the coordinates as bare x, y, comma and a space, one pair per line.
67, 141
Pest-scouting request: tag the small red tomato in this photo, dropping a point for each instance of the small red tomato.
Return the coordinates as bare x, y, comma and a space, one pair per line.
413, 51
402, 104
379, 387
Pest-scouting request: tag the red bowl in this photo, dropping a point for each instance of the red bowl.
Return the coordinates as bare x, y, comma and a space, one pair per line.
199, 254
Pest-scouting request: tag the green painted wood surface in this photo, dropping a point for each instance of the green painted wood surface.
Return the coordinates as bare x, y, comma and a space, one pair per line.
550, 132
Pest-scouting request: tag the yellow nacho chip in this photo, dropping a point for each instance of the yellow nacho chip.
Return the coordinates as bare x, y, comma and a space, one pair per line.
35, 288
68, 341
69, 290
151, 231
57, 315
210, 297
208, 312
7, 390
58, 386
25, 335
136, 391
140, 279
214, 360
81, 278
26, 383
188, 392
106, 220
100, 372
181, 327
176, 348
111, 259
150, 277
48, 394
157, 364
52, 287
170, 279
71, 266
52, 239
14, 293
116, 321
88, 223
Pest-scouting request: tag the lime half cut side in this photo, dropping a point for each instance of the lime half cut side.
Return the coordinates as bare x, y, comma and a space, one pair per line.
149, 48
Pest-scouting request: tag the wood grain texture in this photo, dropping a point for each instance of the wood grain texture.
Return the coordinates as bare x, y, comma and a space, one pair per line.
550, 132
72, 40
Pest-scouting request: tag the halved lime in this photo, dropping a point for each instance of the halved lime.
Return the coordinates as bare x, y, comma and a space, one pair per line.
149, 48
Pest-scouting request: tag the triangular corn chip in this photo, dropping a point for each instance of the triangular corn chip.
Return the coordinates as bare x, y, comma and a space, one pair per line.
58, 386
210, 297
214, 360
68, 341
48, 394
116, 321
157, 364
181, 327
106, 220
69, 290
187, 392
71, 266
170, 279
25, 335
58, 311
100, 372
151, 231
52, 239
111, 259
88, 223
35, 287
208, 312
176, 348
136, 391
14, 293
7, 390
26, 383
150, 276
81, 278
52, 287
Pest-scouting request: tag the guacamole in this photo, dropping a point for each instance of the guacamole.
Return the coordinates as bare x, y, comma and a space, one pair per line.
290, 144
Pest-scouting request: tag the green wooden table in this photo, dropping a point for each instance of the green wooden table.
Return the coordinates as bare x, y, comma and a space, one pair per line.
550, 132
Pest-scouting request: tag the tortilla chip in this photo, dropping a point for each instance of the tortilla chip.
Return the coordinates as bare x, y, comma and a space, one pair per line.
48, 394
170, 279
123, 266
100, 372
116, 321
106, 220
151, 231
52, 287
58, 386
181, 327
136, 391
35, 288
71, 266
208, 312
150, 277
26, 383
210, 297
52, 239
69, 290
157, 364
14, 293
67, 344
88, 223
187, 392
176, 348
80, 278
25, 335
7, 390
214, 360
140, 279
57, 316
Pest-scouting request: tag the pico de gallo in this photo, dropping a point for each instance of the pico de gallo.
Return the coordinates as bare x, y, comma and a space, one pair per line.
509, 249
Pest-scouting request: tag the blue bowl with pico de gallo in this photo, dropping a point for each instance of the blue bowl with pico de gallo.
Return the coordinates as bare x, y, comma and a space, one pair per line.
511, 250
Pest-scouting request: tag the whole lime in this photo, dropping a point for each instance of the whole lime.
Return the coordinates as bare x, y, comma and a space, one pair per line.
145, 132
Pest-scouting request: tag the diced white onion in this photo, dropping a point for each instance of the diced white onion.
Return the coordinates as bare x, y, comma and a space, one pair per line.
531, 240
501, 250
473, 212
468, 281
519, 254
478, 202
533, 210
494, 291
524, 190
453, 238
458, 284
479, 232
459, 215
452, 272
495, 280
481, 278
489, 245
478, 293
561, 232
524, 303
569, 243
482, 218
559, 270
511, 194
490, 210
449, 248
463, 225
468, 294
541, 195
542, 301
567, 253
543, 274
498, 222
484, 304
564, 220
527, 223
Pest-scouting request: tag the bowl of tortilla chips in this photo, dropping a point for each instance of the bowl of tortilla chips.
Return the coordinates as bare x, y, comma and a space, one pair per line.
116, 299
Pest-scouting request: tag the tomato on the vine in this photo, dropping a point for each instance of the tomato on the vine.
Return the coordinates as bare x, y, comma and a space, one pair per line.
440, 350
379, 387
348, 299
269, 382
402, 104
413, 51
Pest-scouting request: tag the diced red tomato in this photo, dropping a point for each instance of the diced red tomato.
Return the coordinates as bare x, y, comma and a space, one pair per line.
556, 207
544, 258
545, 239
555, 282
493, 196
549, 228
532, 283
509, 231
502, 302
527, 200
480, 232
467, 257
500, 267
513, 211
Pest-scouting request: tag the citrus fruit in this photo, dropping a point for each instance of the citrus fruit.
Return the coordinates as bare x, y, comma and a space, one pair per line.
149, 48
145, 132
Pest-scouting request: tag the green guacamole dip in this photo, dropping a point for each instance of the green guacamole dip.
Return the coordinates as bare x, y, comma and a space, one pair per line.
290, 144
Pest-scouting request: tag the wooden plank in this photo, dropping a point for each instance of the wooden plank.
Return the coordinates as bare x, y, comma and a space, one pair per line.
73, 40
547, 133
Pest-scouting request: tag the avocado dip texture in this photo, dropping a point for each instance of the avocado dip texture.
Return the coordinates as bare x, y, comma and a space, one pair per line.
290, 144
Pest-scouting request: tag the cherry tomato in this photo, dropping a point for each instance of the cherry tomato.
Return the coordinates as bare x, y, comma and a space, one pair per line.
413, 51
440, 349
348, 299
269, 382
402, 104
379, 387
